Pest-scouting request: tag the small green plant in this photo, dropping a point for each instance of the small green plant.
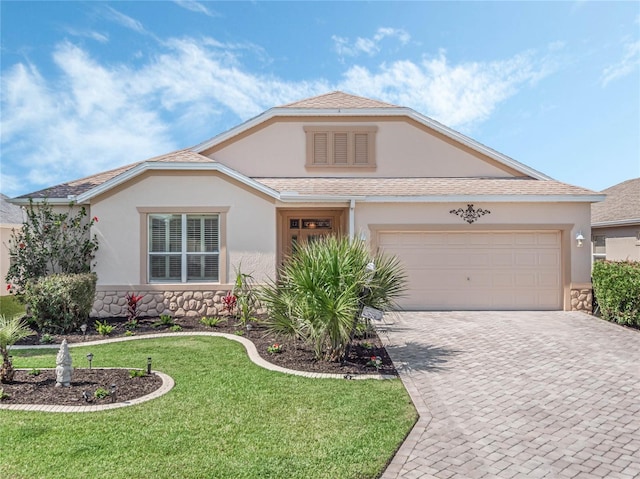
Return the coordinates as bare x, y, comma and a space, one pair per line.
176, 328
131, 324
12, 330
275, 348
103, 328
367, 345
164, 320
101, 393
129, 333
136, 373
34, 372
375, 361
46, 338
212, 321
239, 332
3, 395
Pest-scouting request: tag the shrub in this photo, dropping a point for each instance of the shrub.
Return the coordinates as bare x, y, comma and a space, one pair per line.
59, 303
51, 243
321, 289
616, 286
165, 320
246, 301
12, 330
212, 321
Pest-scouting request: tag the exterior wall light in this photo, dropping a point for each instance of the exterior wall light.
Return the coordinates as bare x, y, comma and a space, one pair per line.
579, 240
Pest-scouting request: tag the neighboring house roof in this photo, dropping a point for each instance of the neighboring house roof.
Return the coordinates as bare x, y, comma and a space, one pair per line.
9, 213
621, 206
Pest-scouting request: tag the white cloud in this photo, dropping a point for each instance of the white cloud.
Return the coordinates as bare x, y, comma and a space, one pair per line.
97, 36
124, 20
370, 46
197, 7
95, 116
456, 95
629, 62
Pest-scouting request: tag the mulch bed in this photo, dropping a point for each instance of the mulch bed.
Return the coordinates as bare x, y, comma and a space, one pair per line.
41, 390
30, 388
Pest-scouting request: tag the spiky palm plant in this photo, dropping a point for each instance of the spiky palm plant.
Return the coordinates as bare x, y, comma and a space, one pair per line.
319, 292
11, 331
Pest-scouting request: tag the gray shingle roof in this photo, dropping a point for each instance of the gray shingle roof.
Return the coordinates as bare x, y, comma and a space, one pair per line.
9, 213
338, 100
77, 187
621, 205
423, 186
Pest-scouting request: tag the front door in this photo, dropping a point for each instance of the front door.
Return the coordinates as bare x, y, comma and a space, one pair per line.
304, 226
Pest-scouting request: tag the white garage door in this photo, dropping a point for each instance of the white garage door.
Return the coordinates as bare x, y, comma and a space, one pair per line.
479, 270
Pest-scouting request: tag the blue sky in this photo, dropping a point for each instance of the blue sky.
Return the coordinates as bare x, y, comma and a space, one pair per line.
89, 86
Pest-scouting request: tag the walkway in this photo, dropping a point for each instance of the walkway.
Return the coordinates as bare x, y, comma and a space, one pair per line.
517, 395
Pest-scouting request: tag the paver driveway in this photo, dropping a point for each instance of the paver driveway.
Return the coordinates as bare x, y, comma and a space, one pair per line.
517, 394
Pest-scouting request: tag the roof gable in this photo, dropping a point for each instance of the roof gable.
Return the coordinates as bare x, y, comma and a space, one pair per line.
338, 100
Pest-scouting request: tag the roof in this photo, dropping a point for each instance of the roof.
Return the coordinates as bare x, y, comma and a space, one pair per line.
9, 213
426, 188
338, 100
75, 188
621, 206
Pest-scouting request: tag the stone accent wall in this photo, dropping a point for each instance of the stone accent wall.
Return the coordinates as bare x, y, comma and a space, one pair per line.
582, 300
154, 303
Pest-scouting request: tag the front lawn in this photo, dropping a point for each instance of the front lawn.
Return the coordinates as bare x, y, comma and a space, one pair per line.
225, 418
10, 306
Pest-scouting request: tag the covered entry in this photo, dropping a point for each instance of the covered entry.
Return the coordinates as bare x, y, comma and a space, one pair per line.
480, 270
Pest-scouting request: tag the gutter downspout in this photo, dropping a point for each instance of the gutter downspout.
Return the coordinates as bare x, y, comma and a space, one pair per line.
352, 218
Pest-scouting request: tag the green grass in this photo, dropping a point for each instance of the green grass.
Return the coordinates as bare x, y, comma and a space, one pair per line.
225, 418
10, 306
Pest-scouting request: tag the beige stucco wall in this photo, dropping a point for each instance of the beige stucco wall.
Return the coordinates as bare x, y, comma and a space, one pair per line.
401, 150
569, 218
622, 242
5, 236
250, 225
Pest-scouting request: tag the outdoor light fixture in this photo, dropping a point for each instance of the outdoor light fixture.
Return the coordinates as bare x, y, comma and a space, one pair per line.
90, 358
149, 365
83, 328
113, 393
579, 240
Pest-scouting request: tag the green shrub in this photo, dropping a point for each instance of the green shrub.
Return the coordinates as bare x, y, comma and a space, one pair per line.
616, 286
321, 289
60, 303
104, 328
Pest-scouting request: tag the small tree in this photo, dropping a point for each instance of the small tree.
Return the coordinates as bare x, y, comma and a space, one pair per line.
51, 243
11, 331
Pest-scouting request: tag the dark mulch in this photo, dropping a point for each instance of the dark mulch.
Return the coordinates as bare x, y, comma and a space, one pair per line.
28, 388
293, 356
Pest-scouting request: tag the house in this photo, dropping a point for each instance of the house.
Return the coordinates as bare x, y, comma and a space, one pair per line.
10, 218
474, 228
615, 223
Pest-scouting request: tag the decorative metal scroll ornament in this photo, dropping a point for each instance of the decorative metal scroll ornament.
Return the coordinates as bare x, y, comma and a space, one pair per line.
470, 214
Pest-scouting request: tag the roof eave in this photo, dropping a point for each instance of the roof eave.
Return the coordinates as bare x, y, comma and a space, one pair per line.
173, 166
604, 224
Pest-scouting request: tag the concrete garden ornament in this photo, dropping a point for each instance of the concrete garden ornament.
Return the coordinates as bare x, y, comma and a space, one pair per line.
63, 366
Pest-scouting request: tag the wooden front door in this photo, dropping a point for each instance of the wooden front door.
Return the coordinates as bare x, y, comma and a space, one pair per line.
304, 226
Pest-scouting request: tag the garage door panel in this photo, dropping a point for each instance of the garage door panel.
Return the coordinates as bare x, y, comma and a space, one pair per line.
479, 270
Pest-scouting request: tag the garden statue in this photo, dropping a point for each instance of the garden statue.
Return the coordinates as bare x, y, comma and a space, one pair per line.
63, 366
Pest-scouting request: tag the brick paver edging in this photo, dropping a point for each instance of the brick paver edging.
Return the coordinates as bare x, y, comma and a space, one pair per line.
167, 385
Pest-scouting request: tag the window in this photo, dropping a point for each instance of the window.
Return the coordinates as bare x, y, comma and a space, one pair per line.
184, 247
340, 146
599, 247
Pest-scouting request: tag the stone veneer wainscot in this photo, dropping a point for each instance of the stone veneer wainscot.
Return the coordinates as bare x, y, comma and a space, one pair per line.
154, 303
582, 300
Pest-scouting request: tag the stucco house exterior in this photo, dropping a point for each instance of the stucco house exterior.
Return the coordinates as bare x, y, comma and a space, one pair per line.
474, 228
10, 218
615, 223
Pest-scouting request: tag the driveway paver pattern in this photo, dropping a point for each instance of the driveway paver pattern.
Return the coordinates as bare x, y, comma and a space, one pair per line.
517, 395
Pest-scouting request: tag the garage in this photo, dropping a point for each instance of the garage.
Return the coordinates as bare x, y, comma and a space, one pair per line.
480, 270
